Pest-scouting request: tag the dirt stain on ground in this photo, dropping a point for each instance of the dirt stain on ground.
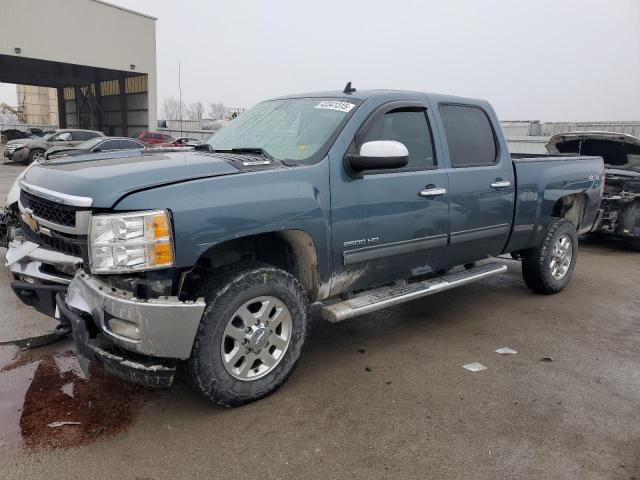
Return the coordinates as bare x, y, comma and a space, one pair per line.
57, 391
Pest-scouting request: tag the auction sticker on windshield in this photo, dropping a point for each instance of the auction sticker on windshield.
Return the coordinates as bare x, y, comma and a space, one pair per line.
335, 105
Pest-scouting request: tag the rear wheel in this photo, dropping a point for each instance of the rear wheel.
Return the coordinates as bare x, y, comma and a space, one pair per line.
548, 267
251, 335
635, 244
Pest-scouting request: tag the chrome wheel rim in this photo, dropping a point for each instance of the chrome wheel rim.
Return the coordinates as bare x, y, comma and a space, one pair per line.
561, 257
256, 338
38, 156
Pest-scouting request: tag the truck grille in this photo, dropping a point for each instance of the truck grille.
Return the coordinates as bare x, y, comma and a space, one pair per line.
46, 210
69, 244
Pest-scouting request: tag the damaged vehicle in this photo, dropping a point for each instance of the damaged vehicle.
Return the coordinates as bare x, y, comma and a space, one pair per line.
621, 196
351, 201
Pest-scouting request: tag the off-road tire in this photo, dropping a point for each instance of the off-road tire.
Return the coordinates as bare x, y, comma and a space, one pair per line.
32, 153
536, 269
226, 291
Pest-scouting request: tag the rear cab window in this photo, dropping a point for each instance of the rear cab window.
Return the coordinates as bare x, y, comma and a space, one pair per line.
470, 136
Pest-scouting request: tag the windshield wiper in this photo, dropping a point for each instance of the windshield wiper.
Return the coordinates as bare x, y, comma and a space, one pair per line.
257, 150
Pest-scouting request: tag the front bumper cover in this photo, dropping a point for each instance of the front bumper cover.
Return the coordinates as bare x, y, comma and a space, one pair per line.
20, 155
167, 326
35, 278
38, 295
146, 372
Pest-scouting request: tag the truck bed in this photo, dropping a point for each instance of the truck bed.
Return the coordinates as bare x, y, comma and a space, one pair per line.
539, 190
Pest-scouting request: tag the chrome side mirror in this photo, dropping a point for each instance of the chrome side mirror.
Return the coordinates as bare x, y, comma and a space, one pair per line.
379, 155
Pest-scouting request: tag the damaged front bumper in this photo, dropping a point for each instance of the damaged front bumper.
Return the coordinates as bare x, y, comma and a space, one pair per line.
142, 371
39, 274
161, 330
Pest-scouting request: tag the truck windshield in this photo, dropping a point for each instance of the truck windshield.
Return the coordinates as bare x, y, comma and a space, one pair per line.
290, 129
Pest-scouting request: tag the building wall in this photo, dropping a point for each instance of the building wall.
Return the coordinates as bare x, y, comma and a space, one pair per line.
82, 32
39, 104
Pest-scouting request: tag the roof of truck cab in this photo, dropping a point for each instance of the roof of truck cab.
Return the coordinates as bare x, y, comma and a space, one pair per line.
399, 94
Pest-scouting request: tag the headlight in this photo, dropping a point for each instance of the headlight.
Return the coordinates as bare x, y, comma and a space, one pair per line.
16, 146
130, 242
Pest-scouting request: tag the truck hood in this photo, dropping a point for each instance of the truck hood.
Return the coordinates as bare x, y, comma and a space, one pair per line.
106, 180
619, 150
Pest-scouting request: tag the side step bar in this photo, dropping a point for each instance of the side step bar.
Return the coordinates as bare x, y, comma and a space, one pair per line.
384, 297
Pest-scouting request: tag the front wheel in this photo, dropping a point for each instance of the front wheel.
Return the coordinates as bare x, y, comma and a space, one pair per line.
36, 155
251, 334
548, 267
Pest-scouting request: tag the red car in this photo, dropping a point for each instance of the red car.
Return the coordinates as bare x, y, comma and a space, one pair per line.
182, 142
154, 138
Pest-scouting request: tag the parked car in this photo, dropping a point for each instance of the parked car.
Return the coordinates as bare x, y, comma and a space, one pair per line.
27, 132
353, 201
97, 144
153, 138
182, 142
621, 197
32, 149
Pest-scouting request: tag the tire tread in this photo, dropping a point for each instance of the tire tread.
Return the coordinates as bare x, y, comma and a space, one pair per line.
535, 260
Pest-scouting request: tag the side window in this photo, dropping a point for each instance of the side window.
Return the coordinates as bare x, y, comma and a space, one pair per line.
62, 137
157, 136
469, 135
129, 144
109, 145
410, 127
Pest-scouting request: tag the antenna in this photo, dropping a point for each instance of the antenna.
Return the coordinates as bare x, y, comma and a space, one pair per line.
348, 88
180, 92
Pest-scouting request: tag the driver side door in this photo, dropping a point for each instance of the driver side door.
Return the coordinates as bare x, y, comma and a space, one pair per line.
391, 224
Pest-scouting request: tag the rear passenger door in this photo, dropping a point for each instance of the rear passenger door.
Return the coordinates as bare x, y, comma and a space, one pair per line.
481, 184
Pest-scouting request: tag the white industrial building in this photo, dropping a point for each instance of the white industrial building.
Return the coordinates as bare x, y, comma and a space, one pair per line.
100, 58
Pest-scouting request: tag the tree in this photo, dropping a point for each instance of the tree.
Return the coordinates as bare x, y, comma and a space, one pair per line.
171, 109
195, 111
217, 111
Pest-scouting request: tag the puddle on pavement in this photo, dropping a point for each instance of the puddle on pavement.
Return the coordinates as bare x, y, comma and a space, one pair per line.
38, 389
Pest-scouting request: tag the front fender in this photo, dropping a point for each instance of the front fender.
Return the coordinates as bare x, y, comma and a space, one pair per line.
210, 211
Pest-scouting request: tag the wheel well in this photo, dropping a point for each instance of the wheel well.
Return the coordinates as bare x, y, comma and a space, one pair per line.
291, 250
571, 208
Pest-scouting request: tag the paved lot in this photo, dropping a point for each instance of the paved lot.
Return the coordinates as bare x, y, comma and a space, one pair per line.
382, 396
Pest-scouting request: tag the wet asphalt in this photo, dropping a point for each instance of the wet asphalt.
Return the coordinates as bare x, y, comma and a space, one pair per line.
381, 396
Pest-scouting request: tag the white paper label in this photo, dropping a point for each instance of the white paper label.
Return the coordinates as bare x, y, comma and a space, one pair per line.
335, 105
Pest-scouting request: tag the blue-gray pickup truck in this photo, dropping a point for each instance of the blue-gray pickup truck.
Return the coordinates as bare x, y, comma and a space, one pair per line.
348, 201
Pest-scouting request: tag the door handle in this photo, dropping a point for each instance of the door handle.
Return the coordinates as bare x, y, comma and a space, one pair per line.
432, 192
501, 184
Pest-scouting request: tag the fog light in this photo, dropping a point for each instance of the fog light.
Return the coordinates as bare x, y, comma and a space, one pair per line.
125, 329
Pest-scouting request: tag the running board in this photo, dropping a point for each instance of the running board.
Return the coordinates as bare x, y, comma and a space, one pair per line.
384, 297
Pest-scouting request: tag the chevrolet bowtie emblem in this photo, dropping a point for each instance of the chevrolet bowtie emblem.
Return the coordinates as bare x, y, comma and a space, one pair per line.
29, 220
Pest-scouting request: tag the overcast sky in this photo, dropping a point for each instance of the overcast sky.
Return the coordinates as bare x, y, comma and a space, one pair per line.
550, 60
